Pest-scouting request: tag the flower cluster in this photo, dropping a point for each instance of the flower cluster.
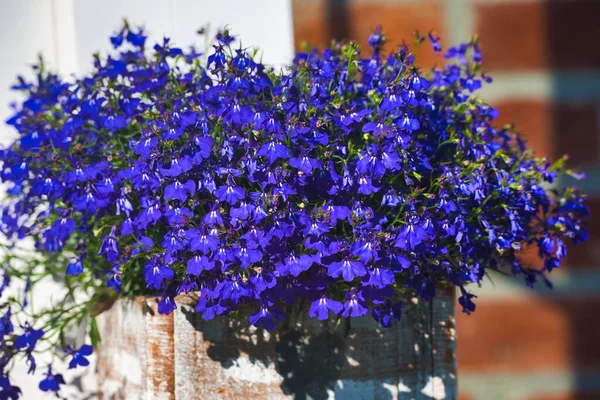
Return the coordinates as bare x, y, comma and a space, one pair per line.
341, 182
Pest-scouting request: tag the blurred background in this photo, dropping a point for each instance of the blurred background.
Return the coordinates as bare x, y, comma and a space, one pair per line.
544, 57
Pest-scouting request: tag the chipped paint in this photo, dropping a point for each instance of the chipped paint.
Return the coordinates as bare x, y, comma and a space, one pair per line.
245, 370
435, 388
127, 364
353, 362
402, 388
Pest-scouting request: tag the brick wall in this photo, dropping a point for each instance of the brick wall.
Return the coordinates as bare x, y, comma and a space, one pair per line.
544, 57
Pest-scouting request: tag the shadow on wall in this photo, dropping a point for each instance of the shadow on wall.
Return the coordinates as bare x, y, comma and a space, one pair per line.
315, 359
309, 366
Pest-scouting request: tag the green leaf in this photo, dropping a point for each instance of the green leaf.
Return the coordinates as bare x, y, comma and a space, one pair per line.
559, 164
94, 332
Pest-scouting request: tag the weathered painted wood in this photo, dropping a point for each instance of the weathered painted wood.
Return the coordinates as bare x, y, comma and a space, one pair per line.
144, 355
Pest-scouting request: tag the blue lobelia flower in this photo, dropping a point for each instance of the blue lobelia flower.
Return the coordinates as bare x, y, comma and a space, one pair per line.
198, 263
79, 356
387, 312
465, 301
355, 305
29, 338
166, 305
178, 166
320, 308
155, 272
6, 326
230, 193
52, 382
266, 316
114, 122
109, 247
347, 268
76, 267
272, 151
9, 391
410, 235
179, 191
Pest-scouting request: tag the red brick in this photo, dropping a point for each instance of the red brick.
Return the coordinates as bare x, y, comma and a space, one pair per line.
573, 395
513, 336
310, 23
319, 21
576, 132
512, 35
584, 331
553, 129
540, 34
529, 334
573, 33
533, 120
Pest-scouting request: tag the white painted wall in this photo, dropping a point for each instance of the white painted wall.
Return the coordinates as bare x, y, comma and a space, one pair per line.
68, 32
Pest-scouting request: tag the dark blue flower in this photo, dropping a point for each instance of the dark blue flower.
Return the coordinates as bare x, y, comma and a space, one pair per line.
75, 268
9, 391
230, 193
266, 316
234, 289
79, 356
465, 301
272, 151
52, 382
197, 264
155, 273
178, 166
294, 265
109, 247
179, 191
320, 308
29, 338
166, 305
247, 255
305, 164
471, 83
355, 305
113, 122
386, 312
411, 235
435, 42
347, 269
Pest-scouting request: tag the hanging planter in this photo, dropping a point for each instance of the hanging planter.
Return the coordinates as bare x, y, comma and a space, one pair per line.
145, 354
271, 226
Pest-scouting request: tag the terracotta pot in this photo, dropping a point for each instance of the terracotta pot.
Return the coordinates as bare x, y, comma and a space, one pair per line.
145, 355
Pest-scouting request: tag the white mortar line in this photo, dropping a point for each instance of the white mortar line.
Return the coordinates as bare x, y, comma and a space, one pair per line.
459, 21
513, 386
589, 185
503, 2
580, 86
574, 283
